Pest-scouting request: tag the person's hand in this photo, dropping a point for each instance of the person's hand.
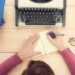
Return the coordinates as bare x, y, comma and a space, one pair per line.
57, 41
26, 49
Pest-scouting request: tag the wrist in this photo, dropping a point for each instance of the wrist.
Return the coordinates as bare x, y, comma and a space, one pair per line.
61, 48
24, 56
20, 56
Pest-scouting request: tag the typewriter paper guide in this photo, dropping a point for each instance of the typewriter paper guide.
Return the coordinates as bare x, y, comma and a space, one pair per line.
44, 46
52, 4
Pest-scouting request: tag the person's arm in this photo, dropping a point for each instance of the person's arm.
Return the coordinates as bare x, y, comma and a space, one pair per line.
26, 51
57, 40
69, 58
9, 64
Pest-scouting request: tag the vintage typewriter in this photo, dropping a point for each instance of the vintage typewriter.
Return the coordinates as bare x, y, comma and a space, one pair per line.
40, 12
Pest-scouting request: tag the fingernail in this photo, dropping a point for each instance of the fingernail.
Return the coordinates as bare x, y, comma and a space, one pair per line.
52, 34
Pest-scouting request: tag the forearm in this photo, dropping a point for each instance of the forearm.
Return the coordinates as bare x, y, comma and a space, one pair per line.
9, 64
69, 58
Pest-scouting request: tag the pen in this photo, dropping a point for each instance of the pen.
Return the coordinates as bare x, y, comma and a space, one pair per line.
59, 34
53, 35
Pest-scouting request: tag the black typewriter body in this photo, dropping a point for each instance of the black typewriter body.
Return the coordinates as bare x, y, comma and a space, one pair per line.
40, 16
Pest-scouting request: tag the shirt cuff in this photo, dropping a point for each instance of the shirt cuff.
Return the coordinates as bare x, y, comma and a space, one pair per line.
66, 52
9, 64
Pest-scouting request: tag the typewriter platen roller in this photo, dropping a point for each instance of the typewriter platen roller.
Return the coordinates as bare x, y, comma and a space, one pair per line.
30, 13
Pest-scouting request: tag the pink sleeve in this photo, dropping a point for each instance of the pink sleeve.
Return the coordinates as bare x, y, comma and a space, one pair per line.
69, 58
9, 64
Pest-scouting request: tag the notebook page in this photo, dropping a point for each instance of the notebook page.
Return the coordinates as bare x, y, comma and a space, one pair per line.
39, 47
44, 46
48, 47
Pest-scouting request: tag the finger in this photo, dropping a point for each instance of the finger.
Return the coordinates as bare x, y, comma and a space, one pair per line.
35, 42
28, 40
34, 39
51, 30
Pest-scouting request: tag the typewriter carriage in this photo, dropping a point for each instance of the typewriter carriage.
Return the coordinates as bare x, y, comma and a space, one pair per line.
41, 1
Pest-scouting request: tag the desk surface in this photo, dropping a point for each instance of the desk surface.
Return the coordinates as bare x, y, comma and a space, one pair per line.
11, 38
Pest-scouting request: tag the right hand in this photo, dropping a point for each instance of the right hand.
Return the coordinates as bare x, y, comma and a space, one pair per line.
58, 41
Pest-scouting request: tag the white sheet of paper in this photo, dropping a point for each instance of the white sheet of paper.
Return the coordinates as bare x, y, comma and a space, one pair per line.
52, 4
44, 46
39, 47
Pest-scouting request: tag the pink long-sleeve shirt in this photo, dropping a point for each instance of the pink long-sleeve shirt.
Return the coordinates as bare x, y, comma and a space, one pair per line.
15, 60
69, 58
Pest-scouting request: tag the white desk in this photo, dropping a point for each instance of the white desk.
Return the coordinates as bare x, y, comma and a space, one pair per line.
12, 37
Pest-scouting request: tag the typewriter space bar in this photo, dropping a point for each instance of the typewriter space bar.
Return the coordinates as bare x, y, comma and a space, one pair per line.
27, 22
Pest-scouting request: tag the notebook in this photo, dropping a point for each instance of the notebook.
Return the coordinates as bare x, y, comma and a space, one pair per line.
44, 45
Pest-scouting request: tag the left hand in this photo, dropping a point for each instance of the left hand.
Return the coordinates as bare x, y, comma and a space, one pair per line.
26, 49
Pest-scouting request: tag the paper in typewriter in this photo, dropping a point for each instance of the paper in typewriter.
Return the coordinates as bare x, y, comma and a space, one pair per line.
44, 46
52, 4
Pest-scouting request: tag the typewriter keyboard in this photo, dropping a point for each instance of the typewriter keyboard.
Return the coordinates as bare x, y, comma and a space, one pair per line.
40, 16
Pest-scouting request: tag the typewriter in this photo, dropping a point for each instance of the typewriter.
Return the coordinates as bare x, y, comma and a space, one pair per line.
40, 12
